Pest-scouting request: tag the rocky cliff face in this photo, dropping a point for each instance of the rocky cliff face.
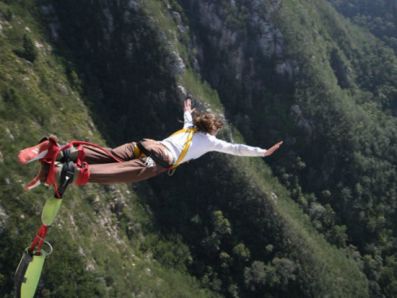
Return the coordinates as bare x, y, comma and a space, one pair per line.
239, 45
131, 62
298, 72
282, 70
124, 46
250, 34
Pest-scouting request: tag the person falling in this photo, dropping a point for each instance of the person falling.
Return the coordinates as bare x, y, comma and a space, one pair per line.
85, 162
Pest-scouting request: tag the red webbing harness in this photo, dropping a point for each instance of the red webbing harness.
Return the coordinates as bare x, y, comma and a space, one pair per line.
51, 157
38, 240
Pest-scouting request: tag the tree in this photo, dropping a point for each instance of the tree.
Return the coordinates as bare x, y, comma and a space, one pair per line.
28, 51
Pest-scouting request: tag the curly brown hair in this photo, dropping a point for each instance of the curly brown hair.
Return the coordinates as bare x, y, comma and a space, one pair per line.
207, 122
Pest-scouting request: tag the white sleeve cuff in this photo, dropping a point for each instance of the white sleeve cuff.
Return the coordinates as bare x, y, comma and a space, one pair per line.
187, 119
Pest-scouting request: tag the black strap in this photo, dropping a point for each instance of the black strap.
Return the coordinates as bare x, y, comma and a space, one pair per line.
19, 277
66, 155
67, 174
156, 159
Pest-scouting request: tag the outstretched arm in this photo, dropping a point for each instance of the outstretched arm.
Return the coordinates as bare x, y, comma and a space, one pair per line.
216, 144
272, 149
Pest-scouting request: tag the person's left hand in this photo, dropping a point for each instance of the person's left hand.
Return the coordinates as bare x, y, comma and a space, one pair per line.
272, 149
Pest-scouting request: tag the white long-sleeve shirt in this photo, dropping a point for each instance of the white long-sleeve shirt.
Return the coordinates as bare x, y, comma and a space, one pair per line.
205, 142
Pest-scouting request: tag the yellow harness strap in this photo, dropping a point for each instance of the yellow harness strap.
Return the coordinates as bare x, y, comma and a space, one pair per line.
190, 131
136, 152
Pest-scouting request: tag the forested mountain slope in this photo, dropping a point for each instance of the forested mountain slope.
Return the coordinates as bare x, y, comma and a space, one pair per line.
113, 71
102, 236
378, 16
299, 70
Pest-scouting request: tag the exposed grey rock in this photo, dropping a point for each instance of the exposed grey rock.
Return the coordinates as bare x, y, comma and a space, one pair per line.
256, 34
177, 17
176, 63
274, 197
109, 28
96, 204
109, 19
133, 4
1, 157
117, 206
54, 29
181, 91
286, 69
54, 25
208, 17
178, 20
301, 121
275, 5
3, 219
270, 39
47, 10
196, 65
10, 135
62, 89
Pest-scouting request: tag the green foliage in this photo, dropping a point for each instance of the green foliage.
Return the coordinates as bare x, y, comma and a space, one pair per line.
221, 229
376, 15
225, 220
98, 245
387, 278
335, 110
28, 51
276, 274
241, 252
257, 275
65, 275
172, 253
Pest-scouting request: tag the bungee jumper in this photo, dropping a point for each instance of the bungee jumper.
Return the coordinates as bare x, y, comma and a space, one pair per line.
83, 162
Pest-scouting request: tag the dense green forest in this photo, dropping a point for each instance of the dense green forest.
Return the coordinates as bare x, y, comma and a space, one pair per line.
378, 16
317, 219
